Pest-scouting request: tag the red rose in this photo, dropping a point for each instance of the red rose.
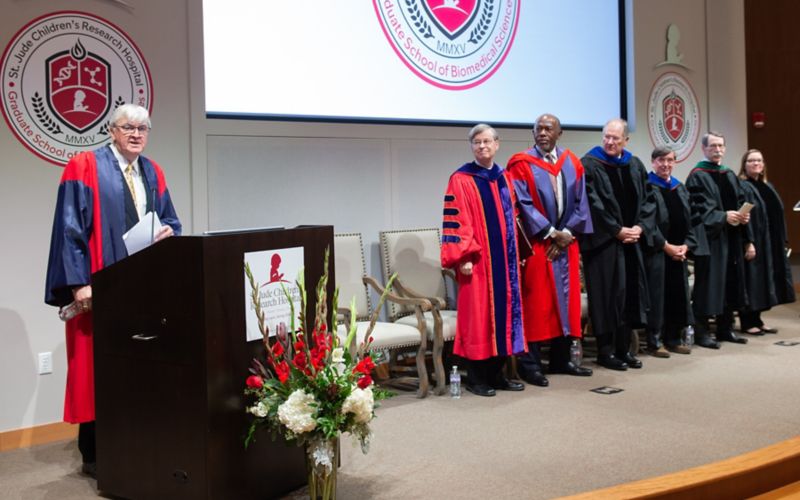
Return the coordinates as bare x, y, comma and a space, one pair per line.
254, 382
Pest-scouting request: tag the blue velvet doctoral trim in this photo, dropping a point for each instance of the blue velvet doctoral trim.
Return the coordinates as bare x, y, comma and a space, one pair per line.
599, 153
498, 260
658, 181
517, 334
450, 224
451, 238
449, 197
450, 211
490, 174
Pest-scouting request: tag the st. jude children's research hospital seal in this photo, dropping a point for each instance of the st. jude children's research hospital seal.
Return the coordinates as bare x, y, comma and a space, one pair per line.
63, 75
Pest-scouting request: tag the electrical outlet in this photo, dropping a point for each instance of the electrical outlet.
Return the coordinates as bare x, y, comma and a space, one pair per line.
45, 363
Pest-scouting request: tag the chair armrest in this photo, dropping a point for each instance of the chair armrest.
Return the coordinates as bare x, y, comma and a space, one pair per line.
436, 302
449, 273
420, 302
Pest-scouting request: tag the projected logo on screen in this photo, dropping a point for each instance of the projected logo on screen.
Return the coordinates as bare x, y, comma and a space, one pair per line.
63, 75
452, 44
674, 115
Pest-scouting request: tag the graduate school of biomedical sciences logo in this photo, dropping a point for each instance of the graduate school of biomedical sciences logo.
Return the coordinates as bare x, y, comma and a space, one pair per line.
62, 75
452, 44
674, 115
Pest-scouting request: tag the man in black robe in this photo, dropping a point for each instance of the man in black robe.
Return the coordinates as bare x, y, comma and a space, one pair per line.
666, 249
622, 210
719, 285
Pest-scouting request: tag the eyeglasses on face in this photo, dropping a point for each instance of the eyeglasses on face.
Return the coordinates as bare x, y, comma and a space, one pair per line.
129, 129
484, 142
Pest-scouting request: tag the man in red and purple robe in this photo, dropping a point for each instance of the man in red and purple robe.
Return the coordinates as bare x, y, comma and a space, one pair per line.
479, 243
102, 194
553, 210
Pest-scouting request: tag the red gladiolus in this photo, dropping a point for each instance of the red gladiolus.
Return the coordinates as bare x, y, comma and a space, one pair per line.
364, 366
277, 349
300, 361
364, 382
282, 371
254, 382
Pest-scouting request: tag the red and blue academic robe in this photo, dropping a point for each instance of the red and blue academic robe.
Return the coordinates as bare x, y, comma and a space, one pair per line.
90, 219
551, 290
478, 227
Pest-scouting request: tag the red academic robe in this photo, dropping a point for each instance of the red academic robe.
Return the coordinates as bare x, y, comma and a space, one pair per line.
478, 227
551, 290
88, 225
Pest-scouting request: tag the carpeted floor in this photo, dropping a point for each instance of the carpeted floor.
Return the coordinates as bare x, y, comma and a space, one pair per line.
541, 443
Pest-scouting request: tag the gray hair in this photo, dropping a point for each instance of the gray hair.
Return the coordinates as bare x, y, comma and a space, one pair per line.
711, 133
131, 112
618, 121
481, 128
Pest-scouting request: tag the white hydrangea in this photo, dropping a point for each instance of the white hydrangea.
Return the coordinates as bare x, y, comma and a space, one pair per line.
337, 360
297, 413
360, 403
259, 410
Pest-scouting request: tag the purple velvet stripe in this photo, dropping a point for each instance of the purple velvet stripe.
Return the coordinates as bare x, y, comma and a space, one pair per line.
517, 333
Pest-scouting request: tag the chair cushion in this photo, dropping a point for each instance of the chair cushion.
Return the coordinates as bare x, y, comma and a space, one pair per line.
448, 323
385, 335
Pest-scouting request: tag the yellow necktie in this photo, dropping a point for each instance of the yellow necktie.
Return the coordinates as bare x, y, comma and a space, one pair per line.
129, 180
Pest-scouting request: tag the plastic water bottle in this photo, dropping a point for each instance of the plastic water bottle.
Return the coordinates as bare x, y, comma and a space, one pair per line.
576, 353
689, 337
455, 383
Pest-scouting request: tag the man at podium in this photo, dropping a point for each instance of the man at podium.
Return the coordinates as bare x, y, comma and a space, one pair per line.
102, 194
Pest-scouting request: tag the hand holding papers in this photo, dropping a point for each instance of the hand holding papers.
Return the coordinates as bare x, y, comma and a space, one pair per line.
143, 234
743, 214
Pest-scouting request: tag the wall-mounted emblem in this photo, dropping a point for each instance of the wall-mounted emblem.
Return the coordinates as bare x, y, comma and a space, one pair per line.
452, 44
674, 115
62, 76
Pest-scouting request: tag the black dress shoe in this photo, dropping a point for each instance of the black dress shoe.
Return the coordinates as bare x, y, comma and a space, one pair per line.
571, 368
630, 360
707, 342
767, 329
89, 469
508, 385
536, 378
730, 337
481, 390
611, 362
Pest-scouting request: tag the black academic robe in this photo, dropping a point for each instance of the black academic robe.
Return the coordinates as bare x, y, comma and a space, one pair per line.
668, 279
758, 272
714, 287
781, 270
604, 259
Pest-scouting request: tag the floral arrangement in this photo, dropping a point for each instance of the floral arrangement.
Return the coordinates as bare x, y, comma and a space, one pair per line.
314, 386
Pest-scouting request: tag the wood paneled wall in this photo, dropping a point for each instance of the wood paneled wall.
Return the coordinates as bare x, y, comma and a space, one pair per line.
773, 87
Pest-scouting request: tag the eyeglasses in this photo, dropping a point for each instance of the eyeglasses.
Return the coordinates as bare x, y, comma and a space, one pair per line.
129, 129
484, 142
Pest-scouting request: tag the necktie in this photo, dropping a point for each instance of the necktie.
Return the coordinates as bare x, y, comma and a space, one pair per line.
129, 180
550, 158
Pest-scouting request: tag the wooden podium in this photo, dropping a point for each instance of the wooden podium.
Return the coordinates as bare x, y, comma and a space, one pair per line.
171, 358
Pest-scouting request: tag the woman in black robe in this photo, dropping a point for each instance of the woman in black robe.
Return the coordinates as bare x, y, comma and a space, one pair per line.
768, 273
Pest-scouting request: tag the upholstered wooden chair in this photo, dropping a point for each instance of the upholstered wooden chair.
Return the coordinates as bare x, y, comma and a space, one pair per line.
414, 255
395, 338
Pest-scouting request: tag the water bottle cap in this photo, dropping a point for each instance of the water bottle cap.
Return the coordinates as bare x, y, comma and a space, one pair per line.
455, 368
